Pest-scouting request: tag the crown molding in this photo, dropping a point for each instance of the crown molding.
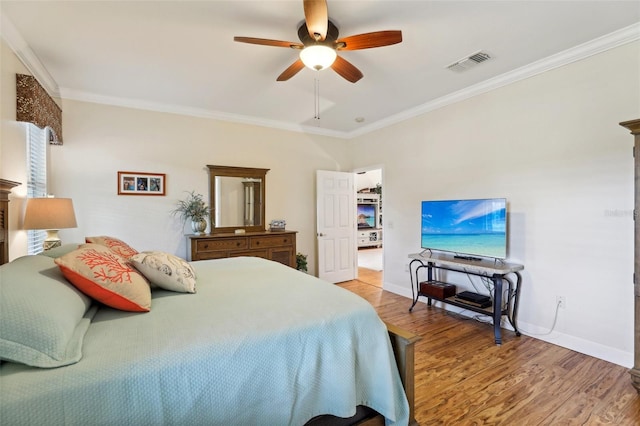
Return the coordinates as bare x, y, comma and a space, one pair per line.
615, 39
82, 96
22, 50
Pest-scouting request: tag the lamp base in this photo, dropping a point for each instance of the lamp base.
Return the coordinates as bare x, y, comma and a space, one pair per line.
52, 240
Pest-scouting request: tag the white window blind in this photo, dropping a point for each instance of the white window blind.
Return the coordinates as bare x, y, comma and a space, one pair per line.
37, 179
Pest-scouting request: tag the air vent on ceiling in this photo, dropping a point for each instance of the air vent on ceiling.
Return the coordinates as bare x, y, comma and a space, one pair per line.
469, 61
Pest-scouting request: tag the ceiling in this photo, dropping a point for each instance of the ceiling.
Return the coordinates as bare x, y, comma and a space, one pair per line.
179, 56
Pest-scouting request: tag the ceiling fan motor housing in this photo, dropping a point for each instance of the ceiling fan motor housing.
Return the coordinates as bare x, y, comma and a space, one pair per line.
307, 40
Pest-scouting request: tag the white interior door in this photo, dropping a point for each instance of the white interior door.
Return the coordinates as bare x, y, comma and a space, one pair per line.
336, 226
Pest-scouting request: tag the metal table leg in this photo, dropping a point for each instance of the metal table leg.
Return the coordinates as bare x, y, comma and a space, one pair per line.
497, 308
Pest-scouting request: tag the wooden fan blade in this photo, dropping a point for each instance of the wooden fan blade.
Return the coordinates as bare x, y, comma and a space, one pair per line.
291, 71
316, 16
268, 42
346, 69
369, 40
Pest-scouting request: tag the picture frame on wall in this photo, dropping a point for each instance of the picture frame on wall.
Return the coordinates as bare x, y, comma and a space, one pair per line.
140, 183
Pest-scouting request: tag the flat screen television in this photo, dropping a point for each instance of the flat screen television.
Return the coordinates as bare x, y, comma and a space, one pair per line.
367, 216
468, 228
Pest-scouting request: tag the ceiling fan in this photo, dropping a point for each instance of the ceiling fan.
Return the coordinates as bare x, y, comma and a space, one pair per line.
319, 43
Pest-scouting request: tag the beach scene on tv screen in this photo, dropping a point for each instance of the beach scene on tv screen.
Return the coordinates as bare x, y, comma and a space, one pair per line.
366, 216
465, 226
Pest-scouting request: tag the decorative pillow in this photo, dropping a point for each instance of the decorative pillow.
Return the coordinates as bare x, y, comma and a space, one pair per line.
118, 246
106, 277
43, 318
166, 271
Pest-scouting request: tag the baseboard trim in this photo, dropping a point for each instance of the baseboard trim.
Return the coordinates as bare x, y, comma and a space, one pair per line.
587, 347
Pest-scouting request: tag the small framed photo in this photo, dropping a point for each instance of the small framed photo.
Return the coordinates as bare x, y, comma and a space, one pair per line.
139, 183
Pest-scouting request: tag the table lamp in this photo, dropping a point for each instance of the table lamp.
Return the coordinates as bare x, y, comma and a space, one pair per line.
50, 214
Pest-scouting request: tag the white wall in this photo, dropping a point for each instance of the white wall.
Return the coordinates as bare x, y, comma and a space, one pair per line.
101, 140
552, 146
368, 179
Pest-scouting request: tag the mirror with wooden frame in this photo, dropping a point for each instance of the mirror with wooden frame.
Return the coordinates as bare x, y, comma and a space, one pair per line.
237, 198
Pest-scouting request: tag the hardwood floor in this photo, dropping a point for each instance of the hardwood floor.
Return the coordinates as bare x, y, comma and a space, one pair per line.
370, 276
463, 378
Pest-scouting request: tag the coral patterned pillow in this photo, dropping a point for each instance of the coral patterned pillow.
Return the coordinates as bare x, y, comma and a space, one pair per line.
165, 271
118, 246
106, 277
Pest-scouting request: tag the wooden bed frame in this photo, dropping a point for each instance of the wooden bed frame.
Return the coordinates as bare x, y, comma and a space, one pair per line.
402, 341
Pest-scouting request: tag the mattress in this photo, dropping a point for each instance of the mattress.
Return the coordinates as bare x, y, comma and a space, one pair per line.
258, 343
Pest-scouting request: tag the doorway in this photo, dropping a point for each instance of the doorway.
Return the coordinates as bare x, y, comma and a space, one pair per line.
369, 241
335, 205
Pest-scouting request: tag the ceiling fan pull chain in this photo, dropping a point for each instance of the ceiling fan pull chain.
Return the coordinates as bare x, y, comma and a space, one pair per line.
316, 95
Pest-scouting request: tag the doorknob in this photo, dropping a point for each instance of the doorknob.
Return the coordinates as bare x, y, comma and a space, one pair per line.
320, 234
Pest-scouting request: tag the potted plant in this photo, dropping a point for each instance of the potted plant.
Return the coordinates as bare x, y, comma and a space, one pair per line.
301, 262
195, 209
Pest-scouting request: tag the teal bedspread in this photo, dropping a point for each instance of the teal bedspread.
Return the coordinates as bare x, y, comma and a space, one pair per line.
258, 344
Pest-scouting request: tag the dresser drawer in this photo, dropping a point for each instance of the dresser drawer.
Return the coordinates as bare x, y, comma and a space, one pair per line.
284, 255
221, 244
278, 246
270, 241
251, 253
212, 255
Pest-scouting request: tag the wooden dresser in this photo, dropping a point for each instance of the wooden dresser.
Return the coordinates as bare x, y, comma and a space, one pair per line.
278, 246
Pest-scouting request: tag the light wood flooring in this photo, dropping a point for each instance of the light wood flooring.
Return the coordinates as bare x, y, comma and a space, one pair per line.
370, 276
463, 378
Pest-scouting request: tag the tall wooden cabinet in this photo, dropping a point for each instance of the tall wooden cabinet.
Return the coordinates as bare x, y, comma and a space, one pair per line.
278, 246
634, 126
5, 190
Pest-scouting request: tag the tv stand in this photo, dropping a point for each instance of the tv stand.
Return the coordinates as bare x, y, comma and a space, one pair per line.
369, 237
497, 271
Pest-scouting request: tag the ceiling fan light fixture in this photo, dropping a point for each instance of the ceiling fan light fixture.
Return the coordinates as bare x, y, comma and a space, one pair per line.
318, 57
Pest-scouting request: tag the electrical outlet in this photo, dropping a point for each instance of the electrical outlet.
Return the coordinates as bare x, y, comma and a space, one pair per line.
561, 302
406, 267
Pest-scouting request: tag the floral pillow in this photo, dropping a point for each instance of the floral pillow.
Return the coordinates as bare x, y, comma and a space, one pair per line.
105, 276
118, 246
166, 271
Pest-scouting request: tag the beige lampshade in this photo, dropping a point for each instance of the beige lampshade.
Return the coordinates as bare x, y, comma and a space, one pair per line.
49, 213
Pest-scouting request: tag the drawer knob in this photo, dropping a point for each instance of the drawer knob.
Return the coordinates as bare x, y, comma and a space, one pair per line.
238, 244
206, 246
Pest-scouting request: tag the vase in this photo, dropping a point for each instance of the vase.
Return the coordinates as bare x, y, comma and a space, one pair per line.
198, 226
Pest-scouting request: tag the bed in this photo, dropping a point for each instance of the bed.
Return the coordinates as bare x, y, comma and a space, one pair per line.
256, 343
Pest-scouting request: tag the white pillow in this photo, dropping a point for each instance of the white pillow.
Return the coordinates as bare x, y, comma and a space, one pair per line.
165, 271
